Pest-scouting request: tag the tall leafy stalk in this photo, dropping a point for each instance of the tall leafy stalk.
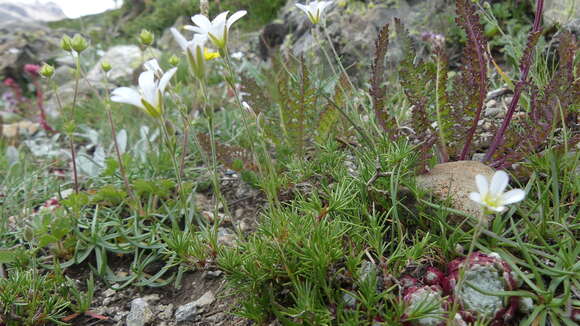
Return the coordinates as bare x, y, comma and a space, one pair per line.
525, 65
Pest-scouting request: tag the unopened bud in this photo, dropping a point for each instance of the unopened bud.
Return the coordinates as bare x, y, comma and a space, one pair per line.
106, 66
146, 37
47, 70
79, 43
65, 43
174, 60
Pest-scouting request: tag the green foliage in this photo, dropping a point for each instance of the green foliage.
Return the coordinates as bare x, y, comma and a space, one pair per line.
161, 14
29, 298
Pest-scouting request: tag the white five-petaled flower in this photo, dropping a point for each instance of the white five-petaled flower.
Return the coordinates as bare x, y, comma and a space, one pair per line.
314, 9
194, 50
149, 97
216, 30
491, 195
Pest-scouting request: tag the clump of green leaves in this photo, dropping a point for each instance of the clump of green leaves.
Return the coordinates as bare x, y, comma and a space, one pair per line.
30, 298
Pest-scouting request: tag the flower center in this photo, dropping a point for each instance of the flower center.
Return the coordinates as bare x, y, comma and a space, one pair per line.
491, 200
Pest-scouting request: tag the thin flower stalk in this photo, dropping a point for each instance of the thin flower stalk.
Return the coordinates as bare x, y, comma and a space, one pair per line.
118, 151
197, 56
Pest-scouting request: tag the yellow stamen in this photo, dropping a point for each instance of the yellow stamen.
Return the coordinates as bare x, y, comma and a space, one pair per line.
209, 55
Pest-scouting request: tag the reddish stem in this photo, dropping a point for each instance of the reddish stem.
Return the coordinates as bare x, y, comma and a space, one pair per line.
40, 104
482, 82
525, 69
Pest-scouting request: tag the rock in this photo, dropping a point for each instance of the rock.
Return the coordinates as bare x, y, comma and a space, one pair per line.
23, 43
561, 12
226, 237
29, 11
454, 181
354, 26
140, 313
63, 75
165, 312
109, 293
66, 95
212, 275
495, 112
24, 127
124, 60
190, 311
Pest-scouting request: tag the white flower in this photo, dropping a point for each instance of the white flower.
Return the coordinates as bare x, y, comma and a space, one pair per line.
149, 97
492, 196
314, 9
194, 50
153, 65
216, 30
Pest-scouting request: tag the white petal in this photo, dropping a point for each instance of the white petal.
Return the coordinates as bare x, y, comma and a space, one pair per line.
322, 5
201, 21
220, 19
153, 65
165, 79
498, 209
499, 182
194, 29
179, 38
235, 17
199, 40
476, 197
482, 185
127, 95
513, 196
147, 86
306, 9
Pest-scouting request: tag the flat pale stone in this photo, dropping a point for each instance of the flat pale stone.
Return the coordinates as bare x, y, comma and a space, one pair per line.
19, 128
454, 181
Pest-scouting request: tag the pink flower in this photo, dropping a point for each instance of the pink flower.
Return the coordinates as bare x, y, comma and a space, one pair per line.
33, 70
9, 82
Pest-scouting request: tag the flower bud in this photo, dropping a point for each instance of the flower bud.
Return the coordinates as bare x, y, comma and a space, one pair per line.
106, 66
146, 37
174, 60
47, 70
65, 43
79, 43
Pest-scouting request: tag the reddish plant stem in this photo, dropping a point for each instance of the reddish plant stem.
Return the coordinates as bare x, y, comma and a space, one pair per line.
40, 104
482, 81
525, 69
74, 163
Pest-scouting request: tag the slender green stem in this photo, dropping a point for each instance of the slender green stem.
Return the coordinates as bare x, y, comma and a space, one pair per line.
336, 56
70, 134
208, 111
118, 151
267, 160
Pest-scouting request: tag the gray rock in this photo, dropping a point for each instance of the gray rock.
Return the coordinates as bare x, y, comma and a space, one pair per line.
165, 312
192, 310
226, 237
66, 95
562, 12
353, 28
25, 42
124, 60
495, 112
15, 10
63, 75
140, 313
